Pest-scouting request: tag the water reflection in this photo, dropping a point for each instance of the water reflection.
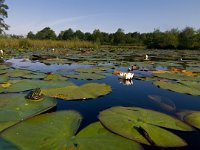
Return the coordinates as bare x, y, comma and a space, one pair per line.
125, 82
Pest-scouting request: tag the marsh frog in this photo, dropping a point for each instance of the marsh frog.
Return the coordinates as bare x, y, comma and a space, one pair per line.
35, 94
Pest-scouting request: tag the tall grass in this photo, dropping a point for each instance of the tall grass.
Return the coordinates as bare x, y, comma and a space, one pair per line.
42, 44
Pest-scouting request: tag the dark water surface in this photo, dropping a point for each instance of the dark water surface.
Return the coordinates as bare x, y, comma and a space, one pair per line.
122, 95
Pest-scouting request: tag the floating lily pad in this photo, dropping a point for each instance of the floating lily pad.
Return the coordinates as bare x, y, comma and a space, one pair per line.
92, 70
17, 73
57, 131
164, 102
187, 87
22, 73
53, 76
14, 108
35, 75
85, 91
192, 118
7, 145
178, 76
86, 76
24, 85
143, 125
3, 78
3, 67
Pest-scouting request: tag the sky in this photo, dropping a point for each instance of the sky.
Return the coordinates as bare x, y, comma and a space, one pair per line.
106, 15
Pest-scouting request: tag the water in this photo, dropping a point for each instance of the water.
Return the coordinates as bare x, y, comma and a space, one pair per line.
122, 95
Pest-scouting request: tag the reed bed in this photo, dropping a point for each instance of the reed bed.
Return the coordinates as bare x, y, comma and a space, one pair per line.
28, 43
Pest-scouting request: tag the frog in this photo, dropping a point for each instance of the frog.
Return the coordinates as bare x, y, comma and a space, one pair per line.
35, 94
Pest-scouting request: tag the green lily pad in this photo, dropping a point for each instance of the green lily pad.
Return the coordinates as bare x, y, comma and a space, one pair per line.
192, 118
7, 145
3, 67
143, 125
17, 73
53, 76
24, 85
22, 73
14, 108
85, 91
3, 78
164, 102
86, 76
56, 131
92, 70
35, 75
177, 76
187, 87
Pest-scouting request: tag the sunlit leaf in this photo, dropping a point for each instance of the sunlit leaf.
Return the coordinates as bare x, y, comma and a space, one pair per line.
85, 91
187, 87
14, 108
86, 76
143, 125
56, 131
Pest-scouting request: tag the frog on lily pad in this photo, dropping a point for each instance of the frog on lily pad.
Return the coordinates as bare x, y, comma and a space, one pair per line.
35, 94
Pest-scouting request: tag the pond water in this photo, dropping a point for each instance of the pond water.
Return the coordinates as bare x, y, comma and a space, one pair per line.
136, 94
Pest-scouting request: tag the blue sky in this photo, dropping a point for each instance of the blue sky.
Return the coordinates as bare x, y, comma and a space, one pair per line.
106, 15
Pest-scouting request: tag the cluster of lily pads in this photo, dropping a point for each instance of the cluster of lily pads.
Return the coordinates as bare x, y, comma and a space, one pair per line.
22, 126
118, 128
174, 77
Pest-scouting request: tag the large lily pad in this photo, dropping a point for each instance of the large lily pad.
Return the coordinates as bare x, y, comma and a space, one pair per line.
192, 118
14, 108
93, 70
164, 102
22, 73
56, 131
143, 125
187, 87
3, 78
24, 85
86, 76
53, 76
85, 91
178, 76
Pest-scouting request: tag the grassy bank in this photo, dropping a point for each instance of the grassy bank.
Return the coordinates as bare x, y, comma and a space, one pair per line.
41, 44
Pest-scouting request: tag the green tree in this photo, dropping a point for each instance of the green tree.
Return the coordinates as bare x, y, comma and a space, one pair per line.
3, 15
68, 34
79, 35
119, 37
46, 33
186, 38
97, 36
60, 35
31, 35
197, 40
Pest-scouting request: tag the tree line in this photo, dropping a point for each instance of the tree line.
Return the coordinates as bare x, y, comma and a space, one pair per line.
188, 38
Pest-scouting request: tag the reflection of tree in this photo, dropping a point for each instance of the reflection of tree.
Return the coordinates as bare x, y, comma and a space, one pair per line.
125, 82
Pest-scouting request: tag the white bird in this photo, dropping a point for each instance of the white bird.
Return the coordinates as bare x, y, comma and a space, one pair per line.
146, 57
1, 52
126, 75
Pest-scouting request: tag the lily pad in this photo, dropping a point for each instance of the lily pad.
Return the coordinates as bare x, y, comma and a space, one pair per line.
24, 85
85, 91
187, 87
178, 76
86, 76
53, 76
164, 102
3, 79
3, 67
92, 70
192, 118
56, 131
143, 125
14, 108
